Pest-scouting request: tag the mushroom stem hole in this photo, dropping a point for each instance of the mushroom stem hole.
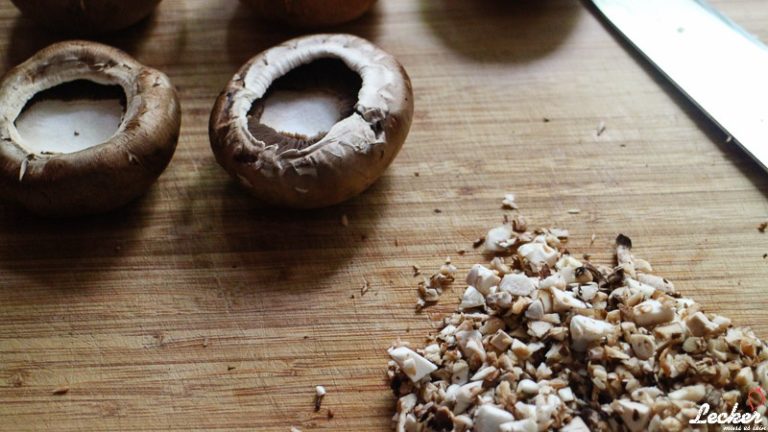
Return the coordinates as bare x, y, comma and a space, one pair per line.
303, 105
71, 117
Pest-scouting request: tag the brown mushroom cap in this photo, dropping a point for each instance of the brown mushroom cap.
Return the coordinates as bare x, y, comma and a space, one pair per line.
101, 177
329, 168
86, 16
310, 13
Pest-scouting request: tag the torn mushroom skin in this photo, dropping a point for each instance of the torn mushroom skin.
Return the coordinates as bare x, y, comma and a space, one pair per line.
86, 17
64, 174
310, 13
314, 121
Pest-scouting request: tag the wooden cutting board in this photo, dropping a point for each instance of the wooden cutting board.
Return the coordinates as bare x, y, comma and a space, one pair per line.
196, 309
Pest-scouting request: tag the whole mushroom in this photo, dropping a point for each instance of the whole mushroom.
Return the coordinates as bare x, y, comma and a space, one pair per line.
314, 121
310, 13
86, 16
84, 128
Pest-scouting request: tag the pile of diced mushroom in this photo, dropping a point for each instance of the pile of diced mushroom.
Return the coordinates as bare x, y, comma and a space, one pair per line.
545, 341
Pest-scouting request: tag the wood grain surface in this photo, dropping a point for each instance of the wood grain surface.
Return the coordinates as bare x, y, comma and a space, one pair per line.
197, 309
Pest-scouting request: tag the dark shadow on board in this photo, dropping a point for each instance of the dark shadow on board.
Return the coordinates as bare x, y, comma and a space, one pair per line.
501, 31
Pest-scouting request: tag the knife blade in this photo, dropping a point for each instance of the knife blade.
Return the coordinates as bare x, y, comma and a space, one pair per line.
718, 65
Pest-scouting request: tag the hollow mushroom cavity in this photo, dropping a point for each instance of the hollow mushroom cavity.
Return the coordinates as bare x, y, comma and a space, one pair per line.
301, 107
314, 121
70, 117
84, 128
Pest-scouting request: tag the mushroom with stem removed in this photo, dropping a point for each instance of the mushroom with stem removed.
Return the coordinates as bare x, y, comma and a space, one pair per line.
86, 16
313, 121
310, 13
84, 128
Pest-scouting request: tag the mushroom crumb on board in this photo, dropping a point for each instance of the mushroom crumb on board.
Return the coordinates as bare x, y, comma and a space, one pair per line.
60, 390
545, 341
509, 202
762, 227
600, 128
320, 393
430, 289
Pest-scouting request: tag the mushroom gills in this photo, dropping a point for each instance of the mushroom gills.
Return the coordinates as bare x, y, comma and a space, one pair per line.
71, 117
302, 106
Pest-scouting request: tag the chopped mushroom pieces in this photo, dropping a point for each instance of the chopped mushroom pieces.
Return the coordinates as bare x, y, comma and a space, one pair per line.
489, 418
431, 289
412, 364
542, 341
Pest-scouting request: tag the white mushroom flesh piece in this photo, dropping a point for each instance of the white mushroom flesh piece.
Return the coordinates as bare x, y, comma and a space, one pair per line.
585, 330
52, 125
526, 425
527, 386
553, 281
489, 418
466, 395
472, 298
405, 405
565, 300
539, 328
635, 415
482, 278
566, 394
657, 282
644, 346
568, 261
645, 289
484, 373
517, 284
471, 344
699, 325
694, 393
576, 425
413, 364
496, 238
652, 312
501, 340
538, 254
